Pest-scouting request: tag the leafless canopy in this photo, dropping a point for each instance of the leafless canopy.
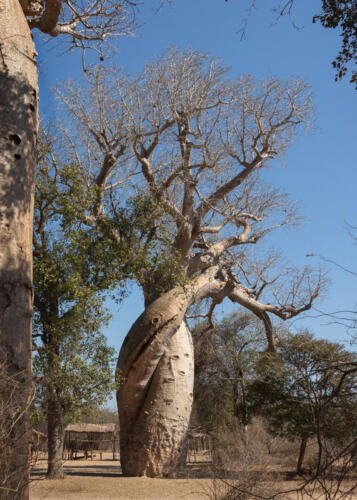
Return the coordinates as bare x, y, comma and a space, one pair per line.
201, 145
84, 22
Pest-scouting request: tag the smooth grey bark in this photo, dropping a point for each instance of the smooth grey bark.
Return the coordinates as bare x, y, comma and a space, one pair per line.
155, 375
152, 443
18, 136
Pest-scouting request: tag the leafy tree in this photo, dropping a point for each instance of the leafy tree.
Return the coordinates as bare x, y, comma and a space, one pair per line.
307, 389
100, 415
196, 143
225, 362
73, 267
342, 14
72, 365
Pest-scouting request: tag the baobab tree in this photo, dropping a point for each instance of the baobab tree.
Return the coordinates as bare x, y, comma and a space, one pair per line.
200, 145
80, 24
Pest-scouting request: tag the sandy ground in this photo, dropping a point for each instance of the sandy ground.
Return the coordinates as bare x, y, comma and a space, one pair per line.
102, 480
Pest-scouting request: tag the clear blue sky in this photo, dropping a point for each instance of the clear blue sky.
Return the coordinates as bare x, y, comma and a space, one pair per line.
320, 169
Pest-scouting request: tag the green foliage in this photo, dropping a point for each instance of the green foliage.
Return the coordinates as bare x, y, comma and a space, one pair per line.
306, 389
73, 267
146, 245
81, 374
78, 258
342, 14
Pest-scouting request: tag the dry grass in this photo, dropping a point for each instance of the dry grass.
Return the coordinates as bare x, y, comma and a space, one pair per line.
102, 480
254, 465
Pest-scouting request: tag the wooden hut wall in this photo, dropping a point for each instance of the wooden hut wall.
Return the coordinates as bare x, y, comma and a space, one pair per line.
96, 441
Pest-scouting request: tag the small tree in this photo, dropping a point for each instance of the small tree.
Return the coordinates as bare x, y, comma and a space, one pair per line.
307, 390
72, 364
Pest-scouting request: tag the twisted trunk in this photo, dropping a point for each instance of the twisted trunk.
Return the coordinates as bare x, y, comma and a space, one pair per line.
18, 134
155, 375
155, 370
152, 442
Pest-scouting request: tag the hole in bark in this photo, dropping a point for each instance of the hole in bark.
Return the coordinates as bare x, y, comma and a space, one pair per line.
176, 356
17, 157
187, 355
169, 379
32, 107
155, 320
15, 139
181, 372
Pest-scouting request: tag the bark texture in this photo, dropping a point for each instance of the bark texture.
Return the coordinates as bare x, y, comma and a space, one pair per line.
155, 396
302, 451
55, 438
18, 135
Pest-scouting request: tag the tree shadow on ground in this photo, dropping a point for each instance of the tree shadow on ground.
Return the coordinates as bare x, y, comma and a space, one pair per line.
196, 470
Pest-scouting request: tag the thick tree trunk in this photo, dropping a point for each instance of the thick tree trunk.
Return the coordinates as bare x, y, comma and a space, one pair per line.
18, 135
55, 428
155, 376
155, 370
152, 443
301, 455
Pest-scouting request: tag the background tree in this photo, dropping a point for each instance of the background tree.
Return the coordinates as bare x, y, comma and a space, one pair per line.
197, 143
101, 415
225, 361
307, 389
72, 365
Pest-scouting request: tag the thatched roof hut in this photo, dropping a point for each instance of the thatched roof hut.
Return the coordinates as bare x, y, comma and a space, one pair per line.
86, 428
91, 437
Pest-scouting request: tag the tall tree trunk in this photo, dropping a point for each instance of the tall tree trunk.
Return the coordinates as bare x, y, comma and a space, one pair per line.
153, 442
155, 370
55, 428
18, 135
155, 376
301, 455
